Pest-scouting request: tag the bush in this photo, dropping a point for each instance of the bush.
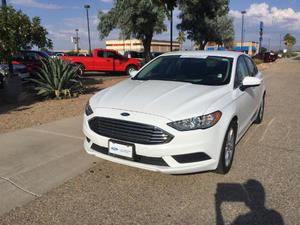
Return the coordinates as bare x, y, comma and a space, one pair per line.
57, 79
289, 54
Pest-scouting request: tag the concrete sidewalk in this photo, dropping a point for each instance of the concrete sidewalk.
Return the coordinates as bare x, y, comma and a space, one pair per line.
35, 160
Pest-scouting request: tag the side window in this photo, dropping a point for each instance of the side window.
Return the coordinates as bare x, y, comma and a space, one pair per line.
30, 56
251, 66
241, 72
100, 54
110, 55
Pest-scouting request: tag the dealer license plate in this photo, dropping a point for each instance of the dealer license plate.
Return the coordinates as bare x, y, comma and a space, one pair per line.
119, 149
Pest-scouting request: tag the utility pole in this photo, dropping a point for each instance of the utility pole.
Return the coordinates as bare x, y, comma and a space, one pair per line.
280, 40
77, 41
171, 31
242, 36
4, 3
88, 24
261, 33
269, 44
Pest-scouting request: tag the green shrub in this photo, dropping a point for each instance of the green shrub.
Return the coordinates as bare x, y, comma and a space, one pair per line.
289, 54
57, 79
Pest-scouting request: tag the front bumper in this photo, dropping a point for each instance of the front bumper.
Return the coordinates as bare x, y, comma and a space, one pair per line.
190, 143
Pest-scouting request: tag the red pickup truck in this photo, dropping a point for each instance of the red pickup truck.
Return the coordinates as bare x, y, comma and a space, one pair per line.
104, 60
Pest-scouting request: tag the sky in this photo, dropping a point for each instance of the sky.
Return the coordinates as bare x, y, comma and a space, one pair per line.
62, 17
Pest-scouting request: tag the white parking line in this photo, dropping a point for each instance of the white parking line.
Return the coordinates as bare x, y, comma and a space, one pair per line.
265, 132
56, 133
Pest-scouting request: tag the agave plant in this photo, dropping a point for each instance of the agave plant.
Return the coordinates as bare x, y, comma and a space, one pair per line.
57, 79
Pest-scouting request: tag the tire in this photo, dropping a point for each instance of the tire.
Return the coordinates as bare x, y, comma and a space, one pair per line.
80, 69
261, 111
130, 68
228, 149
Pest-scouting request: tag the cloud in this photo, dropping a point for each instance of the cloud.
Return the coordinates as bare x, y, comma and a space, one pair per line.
281, 18
36, 4
61, 34
106, 1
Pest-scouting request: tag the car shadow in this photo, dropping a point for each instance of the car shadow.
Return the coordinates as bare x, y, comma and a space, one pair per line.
252, 193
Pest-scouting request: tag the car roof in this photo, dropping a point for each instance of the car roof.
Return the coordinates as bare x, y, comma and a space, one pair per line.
230, 54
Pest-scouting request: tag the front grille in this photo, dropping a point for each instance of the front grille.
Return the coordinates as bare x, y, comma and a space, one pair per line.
129, 131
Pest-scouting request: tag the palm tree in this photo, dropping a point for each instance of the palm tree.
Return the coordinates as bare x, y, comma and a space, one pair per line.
181, 38
289, 40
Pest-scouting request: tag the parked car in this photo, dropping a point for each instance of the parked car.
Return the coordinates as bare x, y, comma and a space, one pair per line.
18, 70
267, 56
183, 112
104, 60
134, 54
3, 75
31, 59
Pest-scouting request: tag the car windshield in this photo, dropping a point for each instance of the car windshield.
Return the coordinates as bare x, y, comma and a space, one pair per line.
204, 70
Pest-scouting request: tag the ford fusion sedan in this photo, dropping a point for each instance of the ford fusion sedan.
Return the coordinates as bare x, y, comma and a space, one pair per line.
183, 112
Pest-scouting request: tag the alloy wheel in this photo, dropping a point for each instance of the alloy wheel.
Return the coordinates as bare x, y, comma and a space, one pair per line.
229, 147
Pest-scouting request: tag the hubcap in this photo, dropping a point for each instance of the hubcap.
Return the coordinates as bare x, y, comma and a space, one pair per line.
229, 147
130, 70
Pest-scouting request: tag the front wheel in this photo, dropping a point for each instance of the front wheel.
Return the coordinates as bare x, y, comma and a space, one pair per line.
228, 149
261, 111
130, 68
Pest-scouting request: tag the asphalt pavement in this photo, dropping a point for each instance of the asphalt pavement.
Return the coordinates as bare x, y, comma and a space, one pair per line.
262, 186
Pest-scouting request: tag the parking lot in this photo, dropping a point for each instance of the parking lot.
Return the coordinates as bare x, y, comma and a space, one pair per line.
263, 183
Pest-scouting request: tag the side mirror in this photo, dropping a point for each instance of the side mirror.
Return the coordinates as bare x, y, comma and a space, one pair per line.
250, 82
133, 73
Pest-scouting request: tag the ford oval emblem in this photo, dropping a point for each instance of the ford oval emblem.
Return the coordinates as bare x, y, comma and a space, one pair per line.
125, 114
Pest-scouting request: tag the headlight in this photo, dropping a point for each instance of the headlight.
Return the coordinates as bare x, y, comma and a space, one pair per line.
199, 122
88, 109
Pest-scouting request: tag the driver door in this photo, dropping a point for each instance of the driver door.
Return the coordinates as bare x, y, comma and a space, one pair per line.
104, 61
245, 99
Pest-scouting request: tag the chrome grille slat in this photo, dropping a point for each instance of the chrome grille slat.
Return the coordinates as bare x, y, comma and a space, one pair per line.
134, 125
129, 131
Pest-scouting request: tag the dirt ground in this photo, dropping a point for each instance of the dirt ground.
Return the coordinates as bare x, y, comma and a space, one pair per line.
33, 112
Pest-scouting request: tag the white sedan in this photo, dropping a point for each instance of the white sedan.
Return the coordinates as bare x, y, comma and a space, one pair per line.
183, 112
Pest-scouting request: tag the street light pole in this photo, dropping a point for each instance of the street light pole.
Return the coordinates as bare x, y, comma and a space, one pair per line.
88, 24
171, 31
242, 36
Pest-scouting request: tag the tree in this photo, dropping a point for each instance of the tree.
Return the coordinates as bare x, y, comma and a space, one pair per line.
18, 32
39, 34
169, 5
135, 18
224, 31
197, 16
289, 40
15, 29
181, 38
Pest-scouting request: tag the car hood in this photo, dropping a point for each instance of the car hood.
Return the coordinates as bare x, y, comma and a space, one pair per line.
168, 99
